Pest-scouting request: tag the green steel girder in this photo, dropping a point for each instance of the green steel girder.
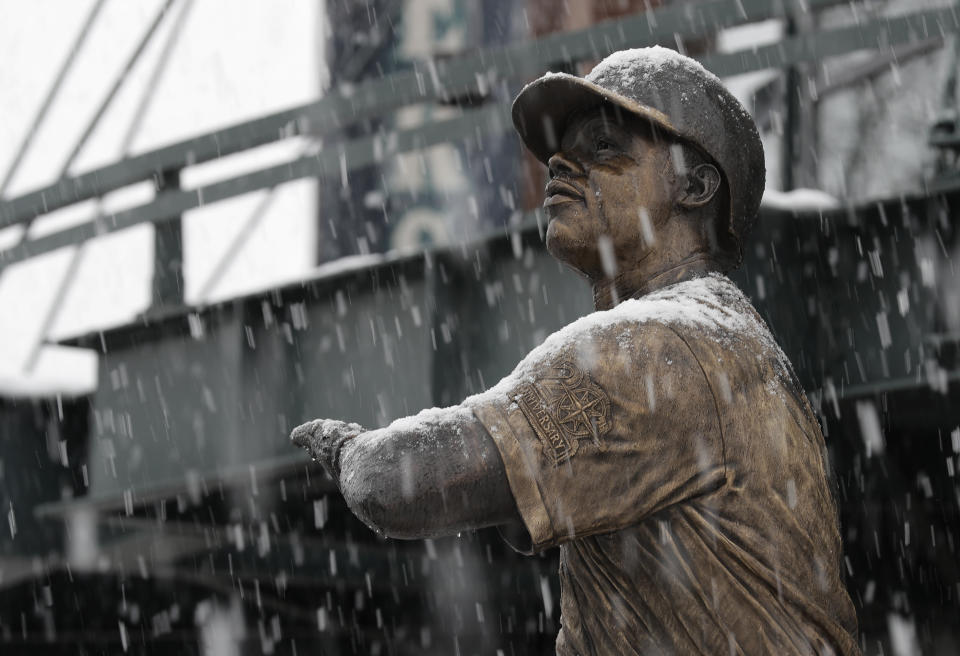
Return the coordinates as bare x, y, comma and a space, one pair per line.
443, 79
881, 33
354, 154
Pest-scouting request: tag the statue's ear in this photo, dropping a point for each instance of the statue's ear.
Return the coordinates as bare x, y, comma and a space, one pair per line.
701, 185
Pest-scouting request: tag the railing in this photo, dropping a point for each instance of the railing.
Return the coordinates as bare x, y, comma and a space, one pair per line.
442, 80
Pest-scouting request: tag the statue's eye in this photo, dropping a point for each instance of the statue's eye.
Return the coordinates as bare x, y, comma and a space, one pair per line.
604, 146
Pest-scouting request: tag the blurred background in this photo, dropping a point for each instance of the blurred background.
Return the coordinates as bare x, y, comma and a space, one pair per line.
221, 218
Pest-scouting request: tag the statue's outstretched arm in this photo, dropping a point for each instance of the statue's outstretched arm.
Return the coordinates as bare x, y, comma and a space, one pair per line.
435, 474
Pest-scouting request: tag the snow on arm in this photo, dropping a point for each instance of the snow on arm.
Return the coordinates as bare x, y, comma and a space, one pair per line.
435, 473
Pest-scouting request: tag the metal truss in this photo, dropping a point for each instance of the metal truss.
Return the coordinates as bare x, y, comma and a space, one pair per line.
441, 80
466, 75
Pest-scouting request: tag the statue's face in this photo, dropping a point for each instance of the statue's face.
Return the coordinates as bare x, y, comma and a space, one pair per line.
612, 187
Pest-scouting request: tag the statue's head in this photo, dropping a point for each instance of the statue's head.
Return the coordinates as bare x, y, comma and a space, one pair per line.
649, 155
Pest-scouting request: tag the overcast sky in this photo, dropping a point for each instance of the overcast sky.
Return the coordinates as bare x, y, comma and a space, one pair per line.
234, 60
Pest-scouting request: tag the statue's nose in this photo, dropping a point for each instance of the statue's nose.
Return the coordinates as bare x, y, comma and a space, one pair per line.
561, 164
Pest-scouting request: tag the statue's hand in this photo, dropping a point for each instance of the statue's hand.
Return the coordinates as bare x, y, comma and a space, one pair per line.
323, 439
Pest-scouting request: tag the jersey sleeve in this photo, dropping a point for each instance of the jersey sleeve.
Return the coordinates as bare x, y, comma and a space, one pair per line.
602, 428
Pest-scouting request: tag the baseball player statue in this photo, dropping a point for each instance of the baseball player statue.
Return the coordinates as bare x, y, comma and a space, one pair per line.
662, 442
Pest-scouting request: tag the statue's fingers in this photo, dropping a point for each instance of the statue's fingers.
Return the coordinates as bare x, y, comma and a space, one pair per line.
305, 434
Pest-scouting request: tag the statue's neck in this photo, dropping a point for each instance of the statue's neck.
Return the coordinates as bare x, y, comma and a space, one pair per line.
610, 292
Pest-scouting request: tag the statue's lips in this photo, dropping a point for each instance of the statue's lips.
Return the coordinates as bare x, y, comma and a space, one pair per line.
560, 191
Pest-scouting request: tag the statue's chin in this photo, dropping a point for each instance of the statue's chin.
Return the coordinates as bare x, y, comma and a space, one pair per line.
557, 242
570, 252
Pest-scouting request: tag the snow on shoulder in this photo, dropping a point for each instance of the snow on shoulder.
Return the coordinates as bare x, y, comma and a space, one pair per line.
712, 304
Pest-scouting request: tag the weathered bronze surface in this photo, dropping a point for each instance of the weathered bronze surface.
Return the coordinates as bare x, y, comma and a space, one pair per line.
663, 442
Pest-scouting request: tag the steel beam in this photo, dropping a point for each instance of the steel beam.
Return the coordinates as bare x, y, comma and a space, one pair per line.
354, 154
51, 96
881, 33
118, 83
444, 79
859, 73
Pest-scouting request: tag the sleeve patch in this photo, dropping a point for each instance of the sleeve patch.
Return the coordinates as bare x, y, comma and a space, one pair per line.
564, 407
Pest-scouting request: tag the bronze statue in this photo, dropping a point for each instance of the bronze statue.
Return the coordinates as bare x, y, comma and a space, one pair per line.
662, 442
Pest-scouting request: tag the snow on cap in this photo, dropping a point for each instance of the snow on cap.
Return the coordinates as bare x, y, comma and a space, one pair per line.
672, 91
627, 68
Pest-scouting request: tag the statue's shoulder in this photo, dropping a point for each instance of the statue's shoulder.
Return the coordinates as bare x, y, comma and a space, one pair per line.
707, 301
706, 308
710, 308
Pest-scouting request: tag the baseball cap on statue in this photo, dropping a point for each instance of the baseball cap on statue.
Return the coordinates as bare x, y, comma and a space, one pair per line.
672, 91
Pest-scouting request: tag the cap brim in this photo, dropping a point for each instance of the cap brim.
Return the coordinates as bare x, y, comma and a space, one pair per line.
543, 108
